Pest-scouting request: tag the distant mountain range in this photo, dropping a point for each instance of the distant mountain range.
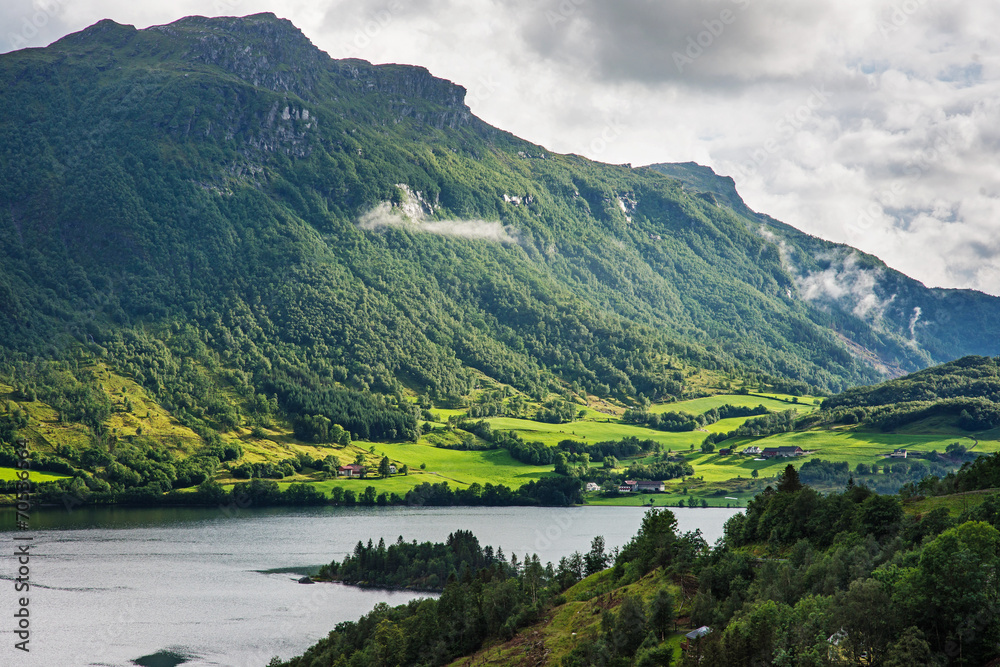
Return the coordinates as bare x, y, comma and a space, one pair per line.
334, 231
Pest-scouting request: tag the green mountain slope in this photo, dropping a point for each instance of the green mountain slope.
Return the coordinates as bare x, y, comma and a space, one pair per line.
337, 234
894, 321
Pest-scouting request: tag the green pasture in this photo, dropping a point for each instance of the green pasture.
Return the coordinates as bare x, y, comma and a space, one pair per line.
396, 484
441, 415
726, 425
593, 431
773, 402
456, 467
666, 500
955, 503
830, 445
7, 474
857, 446
495, 466
715, 476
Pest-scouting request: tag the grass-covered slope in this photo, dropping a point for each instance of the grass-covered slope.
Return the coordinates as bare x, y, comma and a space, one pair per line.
798, 579
966, 391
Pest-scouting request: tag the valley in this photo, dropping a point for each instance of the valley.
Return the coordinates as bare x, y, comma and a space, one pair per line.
254, 296
449, 454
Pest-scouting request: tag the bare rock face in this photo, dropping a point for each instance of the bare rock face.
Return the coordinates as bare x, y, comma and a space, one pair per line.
281, 90
262, 50
272, 53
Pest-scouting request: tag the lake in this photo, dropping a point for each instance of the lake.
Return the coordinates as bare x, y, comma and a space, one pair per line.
110, 586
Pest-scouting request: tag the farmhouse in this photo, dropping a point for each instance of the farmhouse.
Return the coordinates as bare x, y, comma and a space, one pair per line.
784, 452
392, 468
725, 451
645, 485
593, 486
898, 454
633, 486
350, 470
753, 450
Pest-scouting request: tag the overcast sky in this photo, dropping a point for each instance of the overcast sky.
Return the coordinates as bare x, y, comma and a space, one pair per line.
869, 122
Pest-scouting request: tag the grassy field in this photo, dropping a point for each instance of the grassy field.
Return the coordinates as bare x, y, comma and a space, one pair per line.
955, 503
593, 431
464, 467
773, 402
666, 500
831, 445
7, 474
458, 468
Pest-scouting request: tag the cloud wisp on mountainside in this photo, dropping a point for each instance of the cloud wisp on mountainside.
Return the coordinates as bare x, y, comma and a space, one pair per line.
385, 216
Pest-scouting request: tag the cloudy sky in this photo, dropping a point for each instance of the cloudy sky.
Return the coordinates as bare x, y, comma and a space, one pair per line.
869, 122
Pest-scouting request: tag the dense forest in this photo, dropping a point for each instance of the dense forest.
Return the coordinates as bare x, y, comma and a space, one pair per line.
800, 579
426, 566
967, 389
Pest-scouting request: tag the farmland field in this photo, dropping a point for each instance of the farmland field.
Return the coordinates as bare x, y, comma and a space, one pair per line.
7, 474
456, 467
719, 479
830, 445
773, 402
593, 431
955, 503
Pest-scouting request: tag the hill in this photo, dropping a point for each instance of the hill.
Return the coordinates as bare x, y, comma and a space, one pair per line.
884, 316
967, 391
255, 233
803, 579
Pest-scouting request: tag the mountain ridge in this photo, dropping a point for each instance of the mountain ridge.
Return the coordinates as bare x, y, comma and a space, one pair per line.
190, 175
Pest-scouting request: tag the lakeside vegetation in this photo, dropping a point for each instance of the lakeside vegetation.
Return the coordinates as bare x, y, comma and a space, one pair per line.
798, 579
142, 454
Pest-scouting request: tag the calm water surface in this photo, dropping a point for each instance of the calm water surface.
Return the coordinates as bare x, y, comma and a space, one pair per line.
110, 586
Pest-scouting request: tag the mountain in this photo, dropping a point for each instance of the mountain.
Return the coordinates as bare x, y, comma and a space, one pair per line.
874, 309
334, 235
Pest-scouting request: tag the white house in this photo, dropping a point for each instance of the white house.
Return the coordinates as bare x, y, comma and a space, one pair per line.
644, 485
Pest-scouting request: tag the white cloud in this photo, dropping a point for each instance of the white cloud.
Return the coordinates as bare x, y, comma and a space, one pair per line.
845, 281
413, 212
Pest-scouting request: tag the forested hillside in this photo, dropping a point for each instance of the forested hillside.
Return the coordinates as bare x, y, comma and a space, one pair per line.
966, 391
799, 579
888, 318
334, 236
